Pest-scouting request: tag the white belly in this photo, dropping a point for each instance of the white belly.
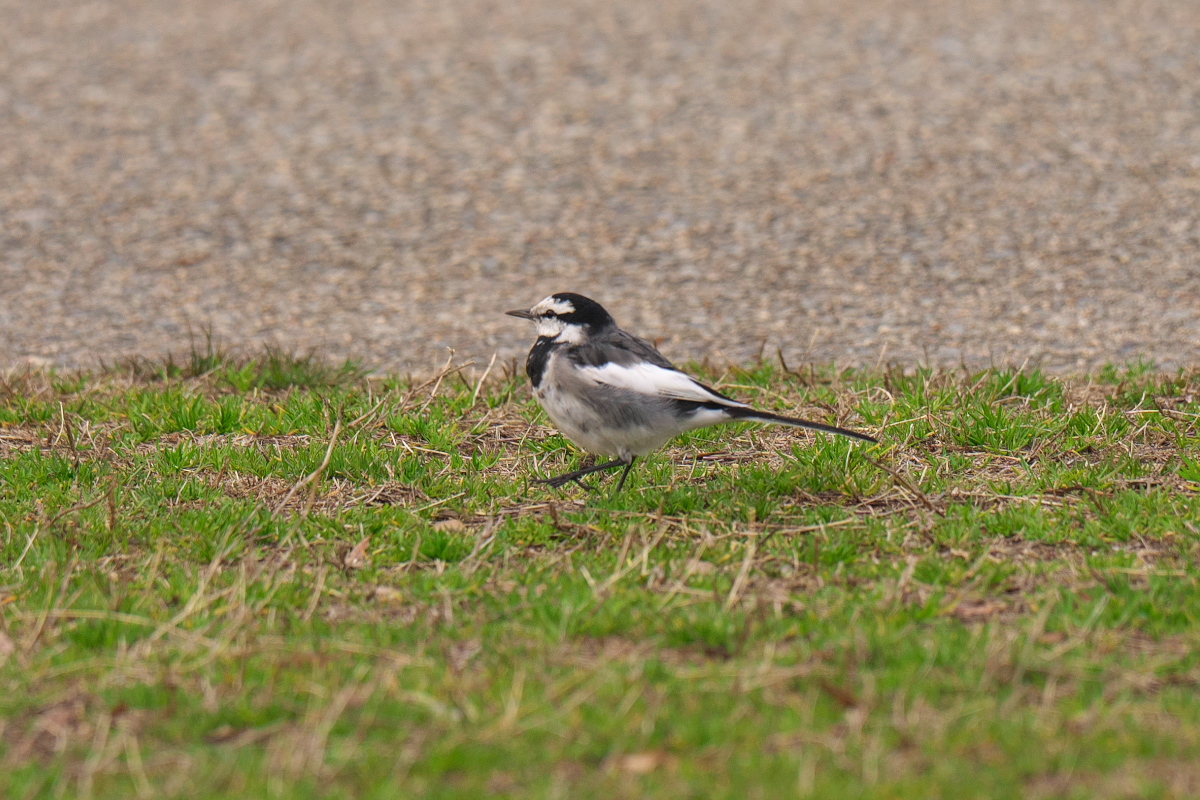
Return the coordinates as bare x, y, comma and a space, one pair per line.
589, 429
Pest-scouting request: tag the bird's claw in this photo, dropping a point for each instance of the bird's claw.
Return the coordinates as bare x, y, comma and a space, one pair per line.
562, 480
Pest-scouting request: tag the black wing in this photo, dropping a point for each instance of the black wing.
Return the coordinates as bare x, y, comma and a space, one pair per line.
615, 346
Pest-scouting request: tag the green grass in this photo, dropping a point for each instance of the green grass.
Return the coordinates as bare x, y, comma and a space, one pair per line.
278, 578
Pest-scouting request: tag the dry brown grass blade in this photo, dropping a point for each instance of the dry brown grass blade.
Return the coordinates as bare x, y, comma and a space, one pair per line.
78, 507
40, 624
315, 474
482, 378
909, 487
315, 600
743, 573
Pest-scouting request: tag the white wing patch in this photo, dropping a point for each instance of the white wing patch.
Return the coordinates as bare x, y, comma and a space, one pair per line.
654, 381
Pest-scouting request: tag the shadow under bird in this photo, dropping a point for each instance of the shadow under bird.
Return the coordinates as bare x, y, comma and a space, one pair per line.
613, 394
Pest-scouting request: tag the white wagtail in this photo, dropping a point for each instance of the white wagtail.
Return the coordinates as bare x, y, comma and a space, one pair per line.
613, 394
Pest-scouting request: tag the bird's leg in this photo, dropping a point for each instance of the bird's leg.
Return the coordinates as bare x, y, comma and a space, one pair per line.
562, 480
625, 474
588, 462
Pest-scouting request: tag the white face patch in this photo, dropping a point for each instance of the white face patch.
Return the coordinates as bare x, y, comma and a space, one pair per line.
549, 325
560, 331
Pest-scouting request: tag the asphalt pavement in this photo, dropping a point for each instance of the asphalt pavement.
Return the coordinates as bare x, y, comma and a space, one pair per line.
859, 182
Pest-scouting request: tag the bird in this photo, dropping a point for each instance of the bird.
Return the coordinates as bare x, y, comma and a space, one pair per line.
613, 394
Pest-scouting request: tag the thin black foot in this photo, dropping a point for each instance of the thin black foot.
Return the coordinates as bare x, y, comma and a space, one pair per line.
558, 481
624, 475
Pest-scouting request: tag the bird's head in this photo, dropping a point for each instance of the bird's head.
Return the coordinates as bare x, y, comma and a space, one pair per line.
566, 317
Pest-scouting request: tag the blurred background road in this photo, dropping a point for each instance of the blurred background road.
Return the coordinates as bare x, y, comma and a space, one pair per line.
853, 181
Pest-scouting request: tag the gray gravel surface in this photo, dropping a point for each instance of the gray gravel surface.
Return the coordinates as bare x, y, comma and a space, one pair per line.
856, 181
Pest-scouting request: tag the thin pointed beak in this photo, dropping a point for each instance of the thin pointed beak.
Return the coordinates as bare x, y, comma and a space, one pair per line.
520, 312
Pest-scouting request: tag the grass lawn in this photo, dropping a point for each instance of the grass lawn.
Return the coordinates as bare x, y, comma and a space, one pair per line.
277, 578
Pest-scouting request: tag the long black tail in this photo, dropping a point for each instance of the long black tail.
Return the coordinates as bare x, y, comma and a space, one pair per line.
753, 415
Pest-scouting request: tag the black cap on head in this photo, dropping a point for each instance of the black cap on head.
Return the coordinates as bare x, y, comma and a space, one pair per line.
585, 311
